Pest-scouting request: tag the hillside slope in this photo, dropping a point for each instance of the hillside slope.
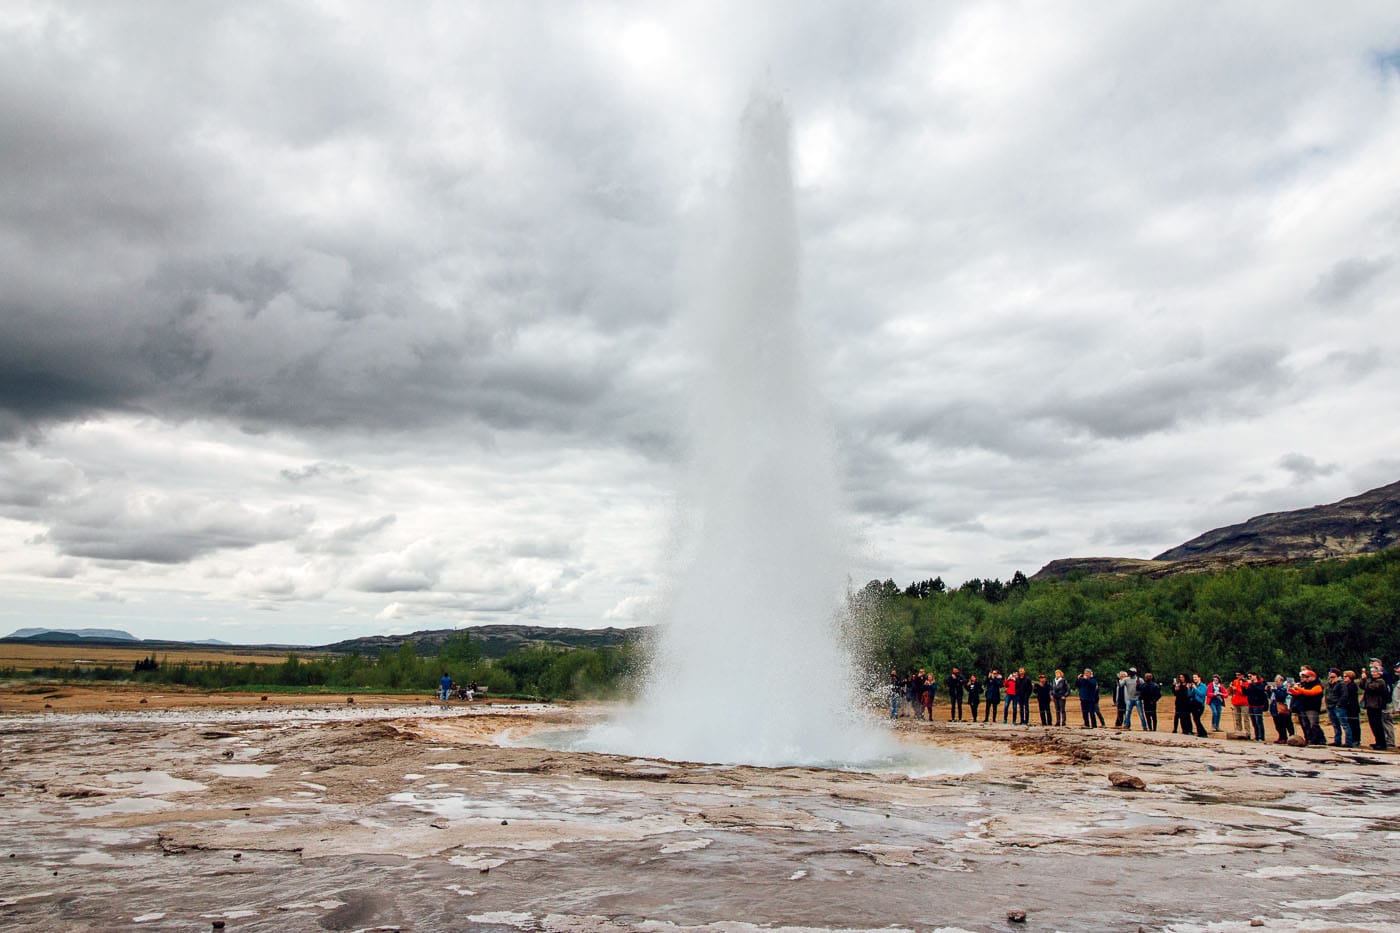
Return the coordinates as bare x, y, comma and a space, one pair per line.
494, 641
1362, 524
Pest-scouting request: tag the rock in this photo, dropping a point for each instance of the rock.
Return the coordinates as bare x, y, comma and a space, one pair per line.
1297, 741
349, 699
1125, 780
218, 924
1015, 916
1239, 736
144, 701
1257, 922
505, 822
264, 698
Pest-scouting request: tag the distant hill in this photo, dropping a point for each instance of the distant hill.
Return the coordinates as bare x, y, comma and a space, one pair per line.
72, 634
494, 641
1361, 524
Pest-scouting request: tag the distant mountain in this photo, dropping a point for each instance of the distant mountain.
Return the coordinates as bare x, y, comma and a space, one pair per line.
1361, 524
494, 641
70, 634
211, 641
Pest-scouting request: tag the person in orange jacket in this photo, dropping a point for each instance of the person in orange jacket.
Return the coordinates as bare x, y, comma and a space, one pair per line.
1240, 703
1307, 705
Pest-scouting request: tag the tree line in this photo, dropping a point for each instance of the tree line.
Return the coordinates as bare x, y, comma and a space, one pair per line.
1265, 618
533, 671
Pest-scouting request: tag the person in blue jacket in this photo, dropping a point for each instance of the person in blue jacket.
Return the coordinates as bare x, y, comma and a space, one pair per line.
1088, 698
445, 687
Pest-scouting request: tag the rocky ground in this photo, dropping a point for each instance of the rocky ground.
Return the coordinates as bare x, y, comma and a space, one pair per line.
313, 816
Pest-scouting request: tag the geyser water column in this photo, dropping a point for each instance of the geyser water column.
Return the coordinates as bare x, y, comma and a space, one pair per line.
749, 665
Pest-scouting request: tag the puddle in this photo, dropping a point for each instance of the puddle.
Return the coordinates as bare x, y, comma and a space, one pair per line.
242, 770
151, 783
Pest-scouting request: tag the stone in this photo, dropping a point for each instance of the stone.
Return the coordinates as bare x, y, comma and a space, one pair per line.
1239, 736
1015, 916
1257, 922
1125, 780
1297, 741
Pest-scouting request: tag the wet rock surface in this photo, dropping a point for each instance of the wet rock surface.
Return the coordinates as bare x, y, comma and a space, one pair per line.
367, 818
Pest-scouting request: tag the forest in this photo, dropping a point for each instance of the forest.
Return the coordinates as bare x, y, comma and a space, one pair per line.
1265, 618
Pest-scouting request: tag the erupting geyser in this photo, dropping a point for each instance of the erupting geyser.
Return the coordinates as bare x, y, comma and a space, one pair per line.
749, 666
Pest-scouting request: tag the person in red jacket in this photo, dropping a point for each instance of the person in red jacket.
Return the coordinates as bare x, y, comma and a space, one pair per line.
1013, 688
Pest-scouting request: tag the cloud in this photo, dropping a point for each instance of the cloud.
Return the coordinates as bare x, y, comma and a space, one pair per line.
416, 568
344, 539
165, 529
1304, 468
635, 609
1349, 278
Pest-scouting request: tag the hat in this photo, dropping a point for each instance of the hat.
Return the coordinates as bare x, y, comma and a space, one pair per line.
1333, 670
1132, 670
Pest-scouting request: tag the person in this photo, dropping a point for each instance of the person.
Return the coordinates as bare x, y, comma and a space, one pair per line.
1120, 702
1149, 692
1335, 693
1278, 705
912, 687
1132, 699
1306, 702
1375, 695
1351, 703
1388, 722
896, 690
444, 687
926, 691
1181, 708
994, 683
1215, 699
1042, 699
955, 695
974, 694
1198, 703
1013, 683
1239, 703
1088, 689
1059, 692
1024, 689
1256, 694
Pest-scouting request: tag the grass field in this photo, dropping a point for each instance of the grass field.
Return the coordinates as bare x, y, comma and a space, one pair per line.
23, 657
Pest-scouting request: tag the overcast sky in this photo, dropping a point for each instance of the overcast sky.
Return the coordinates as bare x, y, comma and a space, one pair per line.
319, 320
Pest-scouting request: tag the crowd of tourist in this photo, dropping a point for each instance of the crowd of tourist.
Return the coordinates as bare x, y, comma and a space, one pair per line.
1295, 705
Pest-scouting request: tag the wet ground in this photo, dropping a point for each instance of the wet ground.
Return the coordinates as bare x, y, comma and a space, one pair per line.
376, 818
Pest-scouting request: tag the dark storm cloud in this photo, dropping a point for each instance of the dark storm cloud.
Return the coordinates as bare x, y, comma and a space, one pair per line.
171, 252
